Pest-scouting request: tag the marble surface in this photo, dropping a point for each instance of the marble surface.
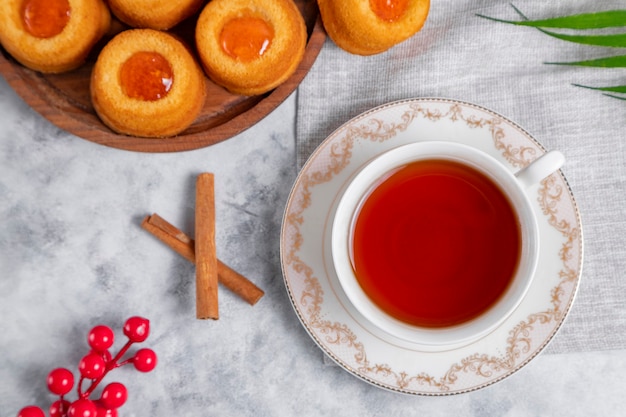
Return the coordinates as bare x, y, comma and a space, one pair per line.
73, 255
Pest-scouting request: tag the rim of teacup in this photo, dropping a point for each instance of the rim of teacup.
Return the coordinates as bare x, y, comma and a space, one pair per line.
375, 171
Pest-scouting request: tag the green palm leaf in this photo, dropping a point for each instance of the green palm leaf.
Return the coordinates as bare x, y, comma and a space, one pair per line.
611, 18
614, 96
613, 41
598, 20
614, 89
618, 61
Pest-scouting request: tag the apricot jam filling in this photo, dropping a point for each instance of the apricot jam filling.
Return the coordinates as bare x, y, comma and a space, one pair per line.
146, 76
389, 10
45, 18
246, 38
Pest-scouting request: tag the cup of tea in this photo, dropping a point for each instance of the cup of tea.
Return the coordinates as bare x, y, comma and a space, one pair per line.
436, 243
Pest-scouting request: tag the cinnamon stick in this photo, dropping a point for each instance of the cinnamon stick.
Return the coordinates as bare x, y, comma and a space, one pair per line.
206, 258
185, 246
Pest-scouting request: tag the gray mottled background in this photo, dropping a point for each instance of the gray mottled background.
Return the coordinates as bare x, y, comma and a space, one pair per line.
72, 253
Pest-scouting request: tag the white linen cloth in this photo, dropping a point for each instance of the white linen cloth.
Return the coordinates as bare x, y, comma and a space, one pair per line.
499, 66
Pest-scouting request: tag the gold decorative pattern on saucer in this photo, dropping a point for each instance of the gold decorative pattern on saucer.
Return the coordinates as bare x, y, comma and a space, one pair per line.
343, 333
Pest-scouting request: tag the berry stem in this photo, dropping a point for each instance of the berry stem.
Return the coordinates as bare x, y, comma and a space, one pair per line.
62, 406
112, 364
126, 362
80, 386
119, 355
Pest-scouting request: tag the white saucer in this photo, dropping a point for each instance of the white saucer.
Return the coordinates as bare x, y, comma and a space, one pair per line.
355, 344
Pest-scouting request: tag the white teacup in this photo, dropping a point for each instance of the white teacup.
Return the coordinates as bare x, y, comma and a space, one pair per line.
512, 186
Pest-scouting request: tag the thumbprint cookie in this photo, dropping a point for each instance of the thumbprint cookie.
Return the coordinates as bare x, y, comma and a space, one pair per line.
161, 15
52, 36
146, 83
368, 27
250, 46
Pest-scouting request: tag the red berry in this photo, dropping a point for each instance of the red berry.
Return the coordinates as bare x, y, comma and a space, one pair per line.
101, 338
101, 411
59, 408
60, 381
145, 360
137, 329
105, 355
104, 412
92, 366
114, 395
82, 408
31, 411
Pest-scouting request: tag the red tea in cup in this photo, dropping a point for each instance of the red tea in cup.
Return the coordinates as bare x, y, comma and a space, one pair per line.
435, 243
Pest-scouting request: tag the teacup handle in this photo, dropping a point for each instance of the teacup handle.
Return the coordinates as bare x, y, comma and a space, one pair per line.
540, 168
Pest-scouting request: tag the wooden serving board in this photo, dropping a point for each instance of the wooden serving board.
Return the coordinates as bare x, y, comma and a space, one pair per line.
64, 99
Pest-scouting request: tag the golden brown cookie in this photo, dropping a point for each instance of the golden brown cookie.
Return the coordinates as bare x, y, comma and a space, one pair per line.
153, 14
52, 36
147, 83
367, 27
250, 46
